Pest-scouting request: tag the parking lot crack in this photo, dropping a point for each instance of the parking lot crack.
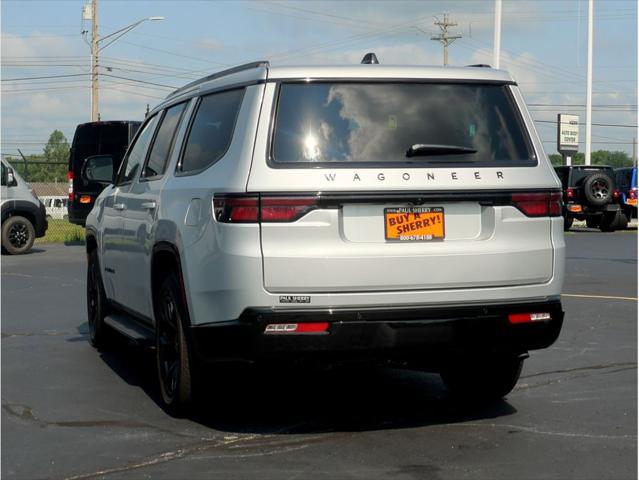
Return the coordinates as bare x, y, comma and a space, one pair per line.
200, 447
523, 428
578, 369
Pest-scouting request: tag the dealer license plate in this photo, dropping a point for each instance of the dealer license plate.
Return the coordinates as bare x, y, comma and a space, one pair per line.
632, 201
414, 224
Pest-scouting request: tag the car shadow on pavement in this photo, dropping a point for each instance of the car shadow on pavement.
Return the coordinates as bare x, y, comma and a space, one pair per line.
281, 400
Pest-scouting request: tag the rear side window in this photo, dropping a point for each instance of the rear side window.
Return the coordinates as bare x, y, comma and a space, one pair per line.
212, 130
161, 149
137, 152
348, 124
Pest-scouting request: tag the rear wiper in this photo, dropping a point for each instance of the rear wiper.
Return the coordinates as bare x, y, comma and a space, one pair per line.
426, 149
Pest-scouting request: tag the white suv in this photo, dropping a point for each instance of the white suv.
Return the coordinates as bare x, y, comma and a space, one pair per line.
330, 213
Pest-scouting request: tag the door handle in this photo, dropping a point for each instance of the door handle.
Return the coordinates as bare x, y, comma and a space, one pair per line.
119, 206
149, 205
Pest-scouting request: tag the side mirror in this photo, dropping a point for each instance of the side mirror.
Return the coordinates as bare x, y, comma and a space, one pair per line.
98, 169
11, 178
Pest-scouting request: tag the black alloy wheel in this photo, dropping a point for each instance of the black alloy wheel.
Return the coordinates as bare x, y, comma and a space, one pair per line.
18, 235
100, 335
172, 352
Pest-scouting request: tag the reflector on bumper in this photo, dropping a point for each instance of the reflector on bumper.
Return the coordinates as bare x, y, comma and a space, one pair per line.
528, 317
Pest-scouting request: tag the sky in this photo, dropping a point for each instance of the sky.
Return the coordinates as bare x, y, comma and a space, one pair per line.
544, 47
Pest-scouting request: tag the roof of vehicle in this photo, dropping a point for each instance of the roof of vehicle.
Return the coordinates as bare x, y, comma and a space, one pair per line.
262, 71
388, 72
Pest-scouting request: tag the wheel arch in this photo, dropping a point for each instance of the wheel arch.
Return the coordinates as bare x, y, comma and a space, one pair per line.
91, 242
19, 208
165, 259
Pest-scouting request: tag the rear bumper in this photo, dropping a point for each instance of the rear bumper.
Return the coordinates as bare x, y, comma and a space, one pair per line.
588, 210
409, 333
78, 213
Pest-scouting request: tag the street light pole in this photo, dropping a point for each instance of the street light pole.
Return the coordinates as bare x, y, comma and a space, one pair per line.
497, 34
96, 48
589, 86
94, 61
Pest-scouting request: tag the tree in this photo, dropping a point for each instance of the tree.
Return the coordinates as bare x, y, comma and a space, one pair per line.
600, 157
51, 166
57, 148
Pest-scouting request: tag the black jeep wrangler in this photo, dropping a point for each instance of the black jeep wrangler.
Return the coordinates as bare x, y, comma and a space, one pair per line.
590, 195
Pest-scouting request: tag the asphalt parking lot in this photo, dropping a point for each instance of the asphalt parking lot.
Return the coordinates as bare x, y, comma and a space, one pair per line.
69, 412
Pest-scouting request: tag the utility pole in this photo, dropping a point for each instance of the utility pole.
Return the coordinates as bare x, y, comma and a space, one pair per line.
444, 38
497, 36
589, 85
94, 61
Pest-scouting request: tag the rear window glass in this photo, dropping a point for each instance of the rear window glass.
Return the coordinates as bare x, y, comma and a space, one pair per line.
341, 124
212, 130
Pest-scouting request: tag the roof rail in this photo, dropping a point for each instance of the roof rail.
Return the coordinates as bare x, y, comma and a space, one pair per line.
220, 74
480, 65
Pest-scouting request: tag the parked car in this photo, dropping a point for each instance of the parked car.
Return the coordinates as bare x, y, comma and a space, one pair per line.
390, 214
626, 180
590, 194
23, 214
56, 206
94, 138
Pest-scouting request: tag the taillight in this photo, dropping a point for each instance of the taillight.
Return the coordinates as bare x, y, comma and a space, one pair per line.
235, 209
632, 193
570, 192
251, 209
616, 193
286, 209
70, 179
543, 204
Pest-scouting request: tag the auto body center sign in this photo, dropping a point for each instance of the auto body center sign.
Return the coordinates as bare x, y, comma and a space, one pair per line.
567, 133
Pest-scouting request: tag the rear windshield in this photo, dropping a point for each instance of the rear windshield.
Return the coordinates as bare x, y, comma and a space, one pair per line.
438, 124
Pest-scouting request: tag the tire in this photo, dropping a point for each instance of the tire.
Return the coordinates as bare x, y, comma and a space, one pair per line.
18, 235
567, 223
173, 360
593, 222
616, 221
482, 379
101, 336
598, 189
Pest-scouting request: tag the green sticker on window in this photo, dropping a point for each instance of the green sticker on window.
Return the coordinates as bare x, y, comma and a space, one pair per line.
392, 122
472, 130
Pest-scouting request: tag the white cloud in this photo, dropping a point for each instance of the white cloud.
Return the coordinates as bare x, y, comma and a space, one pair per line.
37, 45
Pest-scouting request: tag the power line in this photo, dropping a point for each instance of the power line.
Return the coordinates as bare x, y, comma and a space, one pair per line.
44, 77
138, 81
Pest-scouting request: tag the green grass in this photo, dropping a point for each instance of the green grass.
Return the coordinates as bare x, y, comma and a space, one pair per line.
61, 231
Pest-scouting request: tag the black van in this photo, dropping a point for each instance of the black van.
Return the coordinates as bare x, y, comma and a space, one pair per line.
94, 138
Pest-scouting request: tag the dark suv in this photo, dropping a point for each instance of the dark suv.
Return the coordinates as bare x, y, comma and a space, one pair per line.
590, 194
108, 139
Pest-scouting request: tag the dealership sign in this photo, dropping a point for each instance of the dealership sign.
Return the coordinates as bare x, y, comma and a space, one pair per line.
567, 133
